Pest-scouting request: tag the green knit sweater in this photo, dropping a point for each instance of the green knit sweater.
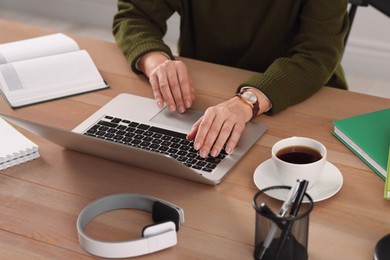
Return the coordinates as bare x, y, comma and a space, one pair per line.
294, 45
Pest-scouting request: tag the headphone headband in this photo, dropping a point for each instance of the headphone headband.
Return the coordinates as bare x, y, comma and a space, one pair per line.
155, 237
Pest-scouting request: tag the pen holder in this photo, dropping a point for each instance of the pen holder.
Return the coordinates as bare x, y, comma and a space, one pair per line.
276, 237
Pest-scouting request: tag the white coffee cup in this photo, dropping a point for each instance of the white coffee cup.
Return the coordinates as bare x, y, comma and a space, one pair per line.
289, 172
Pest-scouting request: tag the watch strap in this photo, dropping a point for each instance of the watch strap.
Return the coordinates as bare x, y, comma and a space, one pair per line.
255, 107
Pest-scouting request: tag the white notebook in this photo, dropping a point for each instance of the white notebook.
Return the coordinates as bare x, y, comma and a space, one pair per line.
15, 148
45, 68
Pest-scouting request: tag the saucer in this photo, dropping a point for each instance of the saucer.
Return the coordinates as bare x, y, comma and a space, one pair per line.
328, 185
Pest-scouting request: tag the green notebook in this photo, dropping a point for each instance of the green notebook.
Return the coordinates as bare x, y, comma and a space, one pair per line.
368, 136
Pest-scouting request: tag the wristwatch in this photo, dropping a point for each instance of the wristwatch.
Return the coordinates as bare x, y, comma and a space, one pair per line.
249, 98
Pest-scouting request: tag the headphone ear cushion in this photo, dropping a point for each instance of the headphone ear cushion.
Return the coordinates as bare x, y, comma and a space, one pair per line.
162, 213
158, 228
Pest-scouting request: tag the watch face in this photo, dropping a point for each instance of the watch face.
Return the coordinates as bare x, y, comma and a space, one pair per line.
249, 96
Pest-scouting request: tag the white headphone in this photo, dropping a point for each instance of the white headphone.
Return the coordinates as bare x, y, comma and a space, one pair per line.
166, 216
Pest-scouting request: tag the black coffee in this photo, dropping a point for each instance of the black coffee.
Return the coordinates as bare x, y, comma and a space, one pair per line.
298, 154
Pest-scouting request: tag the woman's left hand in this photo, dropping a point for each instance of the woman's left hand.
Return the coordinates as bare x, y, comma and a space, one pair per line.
220, 127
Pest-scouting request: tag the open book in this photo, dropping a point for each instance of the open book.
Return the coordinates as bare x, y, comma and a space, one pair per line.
45, 68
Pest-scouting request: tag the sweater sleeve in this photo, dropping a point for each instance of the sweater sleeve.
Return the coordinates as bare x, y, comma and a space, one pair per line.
139, 27
314, 55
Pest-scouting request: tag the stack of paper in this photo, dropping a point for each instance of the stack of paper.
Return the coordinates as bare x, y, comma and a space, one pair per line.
15, 148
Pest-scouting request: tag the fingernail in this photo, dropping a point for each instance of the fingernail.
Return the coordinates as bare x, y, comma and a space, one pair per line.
160, 104
196, 146
172, 108
203, 153
188, 103
228, 149
181, 109
214, 152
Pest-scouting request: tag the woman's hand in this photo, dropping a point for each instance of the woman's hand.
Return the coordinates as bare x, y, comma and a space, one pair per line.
220, 127
221, 124
169, 80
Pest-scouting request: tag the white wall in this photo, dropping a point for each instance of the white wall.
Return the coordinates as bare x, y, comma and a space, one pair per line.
94, 12
368, 48
98, 13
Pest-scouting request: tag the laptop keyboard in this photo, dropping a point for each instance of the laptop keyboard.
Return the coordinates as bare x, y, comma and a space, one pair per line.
154, 139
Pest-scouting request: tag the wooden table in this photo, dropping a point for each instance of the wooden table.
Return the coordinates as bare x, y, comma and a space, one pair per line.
40, 200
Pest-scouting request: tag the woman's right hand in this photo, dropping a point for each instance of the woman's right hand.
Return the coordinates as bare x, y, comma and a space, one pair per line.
169, 80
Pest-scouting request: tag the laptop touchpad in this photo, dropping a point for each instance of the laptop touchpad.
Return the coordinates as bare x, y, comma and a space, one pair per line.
183, 121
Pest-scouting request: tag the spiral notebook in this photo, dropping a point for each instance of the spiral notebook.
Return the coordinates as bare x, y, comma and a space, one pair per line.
15, 148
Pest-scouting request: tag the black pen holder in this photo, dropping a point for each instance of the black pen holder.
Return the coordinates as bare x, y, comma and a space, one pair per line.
287, 236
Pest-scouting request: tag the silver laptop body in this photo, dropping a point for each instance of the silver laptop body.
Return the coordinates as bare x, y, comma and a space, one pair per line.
144, 111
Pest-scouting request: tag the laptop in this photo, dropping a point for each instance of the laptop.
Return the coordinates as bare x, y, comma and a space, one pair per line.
131, 129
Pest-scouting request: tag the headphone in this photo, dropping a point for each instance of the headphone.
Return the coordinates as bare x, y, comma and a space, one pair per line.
167, 219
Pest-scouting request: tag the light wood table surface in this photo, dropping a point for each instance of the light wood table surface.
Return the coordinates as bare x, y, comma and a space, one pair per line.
40, 200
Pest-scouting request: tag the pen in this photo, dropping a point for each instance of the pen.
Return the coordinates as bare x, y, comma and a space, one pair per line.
285, 206
299, 198
268, 212
293, 212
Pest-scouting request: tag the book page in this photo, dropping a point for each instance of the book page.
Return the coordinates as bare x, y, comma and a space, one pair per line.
36, 47
40, 79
